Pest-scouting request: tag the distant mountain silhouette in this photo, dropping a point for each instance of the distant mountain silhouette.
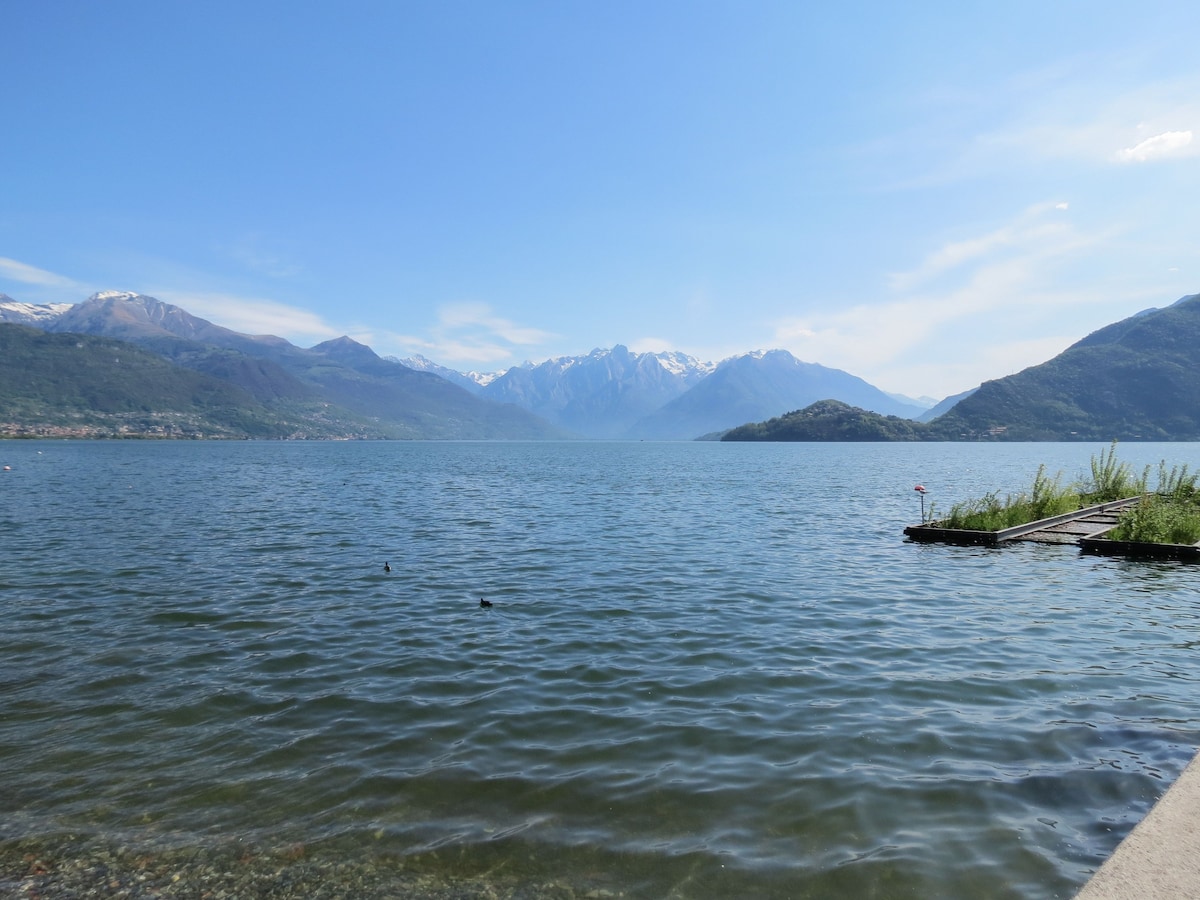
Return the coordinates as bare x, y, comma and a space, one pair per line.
471, 381
944, 406
1137, 379
603, 394
757, 385
670, 396
606, 394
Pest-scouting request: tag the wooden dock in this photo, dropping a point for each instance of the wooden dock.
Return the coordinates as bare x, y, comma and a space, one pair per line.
1102, 547
1068, 528
1073, 527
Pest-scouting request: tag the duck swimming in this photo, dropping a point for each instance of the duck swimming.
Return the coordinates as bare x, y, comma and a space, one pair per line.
484, 604
386, 567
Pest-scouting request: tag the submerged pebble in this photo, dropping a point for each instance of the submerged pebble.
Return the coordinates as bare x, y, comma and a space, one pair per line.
68, 871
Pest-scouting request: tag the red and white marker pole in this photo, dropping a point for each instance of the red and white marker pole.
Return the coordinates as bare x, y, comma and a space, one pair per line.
920, 489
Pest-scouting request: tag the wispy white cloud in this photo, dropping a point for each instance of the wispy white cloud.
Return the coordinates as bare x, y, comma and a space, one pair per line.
1166, 145
252, 315
1029, 230
961, 373
469, 333
651, 345
27, 274
1068, 113
930, 344
479, 317
925, 336
446, 351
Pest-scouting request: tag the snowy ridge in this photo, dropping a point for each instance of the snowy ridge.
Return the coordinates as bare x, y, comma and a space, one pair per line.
483, 379
114, 295
681, 364
30, 313
673, 362
472, 381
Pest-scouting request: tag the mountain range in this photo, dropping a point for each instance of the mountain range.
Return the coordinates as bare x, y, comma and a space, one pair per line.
130, 364
1134, 380
612, 393
670, 396
336, 389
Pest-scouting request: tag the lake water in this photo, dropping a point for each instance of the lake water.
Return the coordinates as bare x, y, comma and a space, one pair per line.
710, 670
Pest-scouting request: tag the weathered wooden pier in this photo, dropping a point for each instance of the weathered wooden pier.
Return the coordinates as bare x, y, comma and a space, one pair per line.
1067, 528
1084, 528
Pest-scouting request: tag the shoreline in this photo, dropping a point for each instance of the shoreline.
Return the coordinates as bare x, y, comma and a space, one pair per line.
1160, 858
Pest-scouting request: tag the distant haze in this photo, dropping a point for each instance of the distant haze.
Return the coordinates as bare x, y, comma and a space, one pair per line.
609, 393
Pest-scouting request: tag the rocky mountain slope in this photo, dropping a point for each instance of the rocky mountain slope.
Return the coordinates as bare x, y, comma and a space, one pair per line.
601, 395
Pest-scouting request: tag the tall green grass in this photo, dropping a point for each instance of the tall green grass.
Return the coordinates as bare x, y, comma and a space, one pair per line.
1178, 484
1046, 497
1112, 480
1170, 510
1170, 515
1158, 519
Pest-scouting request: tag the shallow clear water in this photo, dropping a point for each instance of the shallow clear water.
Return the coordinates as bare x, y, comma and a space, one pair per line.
710, 670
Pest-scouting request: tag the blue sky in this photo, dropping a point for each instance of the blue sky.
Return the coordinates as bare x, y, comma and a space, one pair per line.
926, 197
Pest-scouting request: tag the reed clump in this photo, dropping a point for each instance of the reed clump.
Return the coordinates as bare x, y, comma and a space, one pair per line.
1046, 497
1169, 514
1112, 480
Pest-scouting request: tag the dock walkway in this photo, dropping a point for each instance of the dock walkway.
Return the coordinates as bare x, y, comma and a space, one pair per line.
1085, 523
1068, 528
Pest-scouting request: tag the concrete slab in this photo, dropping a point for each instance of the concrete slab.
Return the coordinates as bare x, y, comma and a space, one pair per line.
1160, 858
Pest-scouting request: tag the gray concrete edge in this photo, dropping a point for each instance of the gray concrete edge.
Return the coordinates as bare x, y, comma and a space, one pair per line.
1160, 858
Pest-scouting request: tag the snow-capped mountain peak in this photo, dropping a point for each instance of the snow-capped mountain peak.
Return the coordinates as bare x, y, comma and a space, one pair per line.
472, 381
114, 295
681, 364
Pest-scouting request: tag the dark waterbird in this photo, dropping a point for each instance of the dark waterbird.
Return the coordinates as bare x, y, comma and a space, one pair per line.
386, 567
484, 604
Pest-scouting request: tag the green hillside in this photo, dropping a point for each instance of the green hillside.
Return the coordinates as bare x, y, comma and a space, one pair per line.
79, 385
1135, 380
337, 389
831, 420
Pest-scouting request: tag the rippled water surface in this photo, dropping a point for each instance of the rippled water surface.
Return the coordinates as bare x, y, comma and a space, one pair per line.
709, 670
